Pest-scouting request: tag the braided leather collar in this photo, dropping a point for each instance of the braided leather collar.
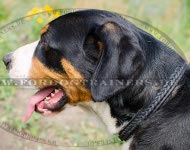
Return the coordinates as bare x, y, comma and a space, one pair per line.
159, 99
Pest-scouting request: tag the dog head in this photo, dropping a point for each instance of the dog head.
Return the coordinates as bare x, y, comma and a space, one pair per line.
77, 52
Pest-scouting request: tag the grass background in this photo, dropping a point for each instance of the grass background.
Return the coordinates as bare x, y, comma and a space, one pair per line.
171, 16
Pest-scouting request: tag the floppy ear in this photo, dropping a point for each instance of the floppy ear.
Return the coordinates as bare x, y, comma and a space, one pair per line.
121, 60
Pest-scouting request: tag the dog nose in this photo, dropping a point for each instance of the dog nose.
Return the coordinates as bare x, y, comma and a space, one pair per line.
7, 60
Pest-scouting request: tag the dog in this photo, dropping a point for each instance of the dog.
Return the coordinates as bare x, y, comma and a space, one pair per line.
87, 54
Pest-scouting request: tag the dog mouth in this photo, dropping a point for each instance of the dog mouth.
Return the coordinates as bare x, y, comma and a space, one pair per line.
46, 101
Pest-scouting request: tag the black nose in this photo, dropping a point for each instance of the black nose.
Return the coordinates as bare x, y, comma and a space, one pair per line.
7, 60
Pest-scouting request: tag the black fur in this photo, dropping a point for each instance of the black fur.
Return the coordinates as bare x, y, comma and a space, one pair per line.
128, 53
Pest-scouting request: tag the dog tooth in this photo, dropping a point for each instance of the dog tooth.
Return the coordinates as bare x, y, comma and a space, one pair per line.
47, 98
56, 91
52, 95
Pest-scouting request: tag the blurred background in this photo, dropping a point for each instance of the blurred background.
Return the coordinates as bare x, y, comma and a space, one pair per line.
172, 17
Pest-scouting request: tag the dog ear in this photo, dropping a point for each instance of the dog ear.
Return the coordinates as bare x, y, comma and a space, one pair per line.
121, 60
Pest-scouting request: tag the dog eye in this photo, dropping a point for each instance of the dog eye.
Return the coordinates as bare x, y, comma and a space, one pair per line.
50, 52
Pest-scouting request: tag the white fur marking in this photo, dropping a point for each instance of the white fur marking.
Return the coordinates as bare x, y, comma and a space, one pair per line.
126, 145
102, 111
21, 61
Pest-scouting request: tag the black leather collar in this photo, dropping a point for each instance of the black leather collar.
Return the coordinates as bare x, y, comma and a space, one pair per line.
160, 98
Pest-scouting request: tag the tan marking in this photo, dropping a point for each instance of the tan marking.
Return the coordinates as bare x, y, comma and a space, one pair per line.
110, 26
70, 70
78, 92
100, 47
72, 81
44, 29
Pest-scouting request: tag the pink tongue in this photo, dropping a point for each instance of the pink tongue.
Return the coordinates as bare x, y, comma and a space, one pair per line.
36, 98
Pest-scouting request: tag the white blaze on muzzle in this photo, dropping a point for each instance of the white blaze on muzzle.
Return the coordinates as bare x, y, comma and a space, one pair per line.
21, 61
